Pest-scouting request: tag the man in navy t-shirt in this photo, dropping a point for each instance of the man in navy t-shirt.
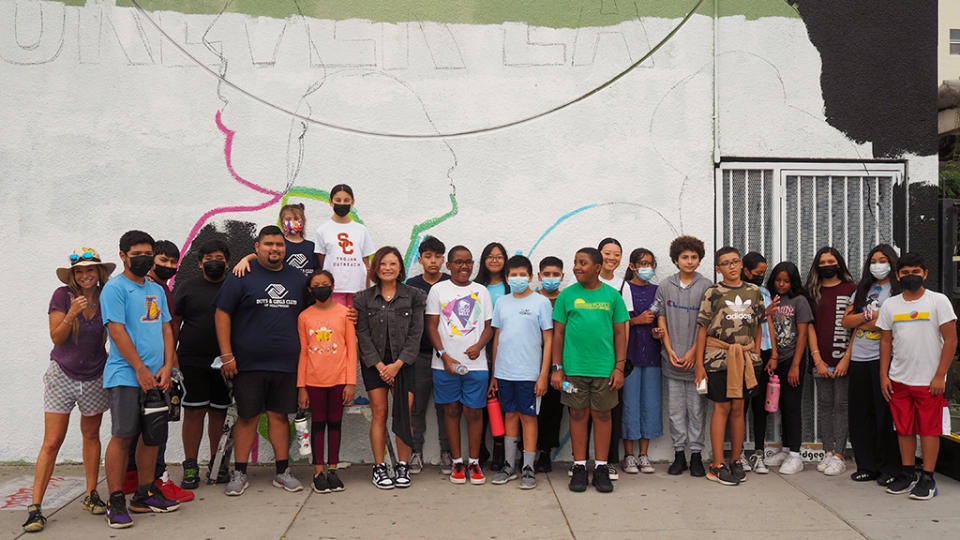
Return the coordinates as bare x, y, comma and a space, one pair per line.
256, 323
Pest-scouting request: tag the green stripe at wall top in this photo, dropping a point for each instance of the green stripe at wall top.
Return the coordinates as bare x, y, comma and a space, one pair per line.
549, 13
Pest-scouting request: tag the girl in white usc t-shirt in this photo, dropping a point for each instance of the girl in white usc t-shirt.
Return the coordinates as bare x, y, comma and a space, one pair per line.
344, 247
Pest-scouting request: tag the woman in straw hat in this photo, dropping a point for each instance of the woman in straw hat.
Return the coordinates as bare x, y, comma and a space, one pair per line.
75, 376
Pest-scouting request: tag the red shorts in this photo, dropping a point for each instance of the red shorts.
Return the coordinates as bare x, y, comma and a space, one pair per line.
915, 411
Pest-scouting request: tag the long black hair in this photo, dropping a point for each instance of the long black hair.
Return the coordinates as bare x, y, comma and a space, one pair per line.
814, 285
867, 280
796, 284
483, 275
635, 257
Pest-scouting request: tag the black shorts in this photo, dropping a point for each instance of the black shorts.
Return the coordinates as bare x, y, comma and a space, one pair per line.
717, 386
372, 380
257, 392
204, 387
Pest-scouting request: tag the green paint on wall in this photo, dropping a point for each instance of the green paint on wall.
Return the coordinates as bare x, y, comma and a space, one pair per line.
550, 13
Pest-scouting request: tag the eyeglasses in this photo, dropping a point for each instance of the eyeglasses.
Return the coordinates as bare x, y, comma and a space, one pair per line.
495, 258
462, 262
729, 263
87, 256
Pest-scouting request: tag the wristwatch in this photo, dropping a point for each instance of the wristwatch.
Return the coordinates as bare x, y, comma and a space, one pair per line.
556, 367
441, 352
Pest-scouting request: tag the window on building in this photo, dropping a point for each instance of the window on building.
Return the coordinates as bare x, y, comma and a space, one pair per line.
954, 41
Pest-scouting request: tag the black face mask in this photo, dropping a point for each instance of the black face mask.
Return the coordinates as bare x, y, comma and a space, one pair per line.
321, 293
827, 272
341, 209
214, 269
141, 265
756, 280
164, 272
911, 282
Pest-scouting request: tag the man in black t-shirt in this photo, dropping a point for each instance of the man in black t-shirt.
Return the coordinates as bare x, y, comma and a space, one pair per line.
205, 393
256, 324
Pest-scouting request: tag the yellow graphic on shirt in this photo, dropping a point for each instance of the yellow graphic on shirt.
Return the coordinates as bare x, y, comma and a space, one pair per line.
322, 340
580, 303
913, 316
152, 309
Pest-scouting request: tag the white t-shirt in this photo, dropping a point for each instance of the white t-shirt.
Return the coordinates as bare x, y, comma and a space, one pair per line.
463, 314
917, 341
616, 282
344, 246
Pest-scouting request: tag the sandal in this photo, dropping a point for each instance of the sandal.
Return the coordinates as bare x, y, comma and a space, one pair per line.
863, 476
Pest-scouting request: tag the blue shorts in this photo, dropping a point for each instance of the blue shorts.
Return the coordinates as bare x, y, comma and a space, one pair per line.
469, 389
517, 396
641, 404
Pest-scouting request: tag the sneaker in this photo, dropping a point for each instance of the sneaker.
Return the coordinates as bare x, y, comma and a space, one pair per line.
237, 485
320, 484
223, 475
630, 465
287, 481
679, 463
838, 467
416, 463
173, 492
697, 469
381, 477
570, 470
645, 466
457, 475
446, 463
612, 472
722, 475
504, 475
825, 462
903, 483
744, 461
117, 516
152, 500
528, 478
578, 478
476, 474
792, 465
925, 488
35, 520
601, 479
191, 475
885, 479
863, 476
777, 458
739, 470
94, 504
131, 482
333, 481
757, 464
543, 464
402, 471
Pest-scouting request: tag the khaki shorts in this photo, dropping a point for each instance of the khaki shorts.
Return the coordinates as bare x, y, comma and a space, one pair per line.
592, 393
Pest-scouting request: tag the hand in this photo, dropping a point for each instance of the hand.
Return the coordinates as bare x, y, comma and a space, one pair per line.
699, 374
646, 317
793, 376
822, 370
886, 387
774, 304
493, 386
163, 377
842, 367
303, 399
229, 368
688, 360
349, 393
352, 314
472, 351
540, 388
657, 333
146, 379
448, 363
77, 305
676, 362
386, 374
772, 364
937, 385
241, 268
556, 379
616, 380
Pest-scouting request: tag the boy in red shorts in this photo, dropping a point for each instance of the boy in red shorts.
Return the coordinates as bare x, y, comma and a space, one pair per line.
920, 328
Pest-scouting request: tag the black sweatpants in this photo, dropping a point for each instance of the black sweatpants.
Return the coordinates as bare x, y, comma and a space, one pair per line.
791, 421
549, 420
757, 403
875, 445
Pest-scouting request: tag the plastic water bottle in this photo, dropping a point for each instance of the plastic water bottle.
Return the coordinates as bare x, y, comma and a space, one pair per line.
303, 433
496, 415
569, 388
461, 368
773, 394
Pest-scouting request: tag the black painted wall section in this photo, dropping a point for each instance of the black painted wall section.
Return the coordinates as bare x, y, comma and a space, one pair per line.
879, 74
239, 236
925, 228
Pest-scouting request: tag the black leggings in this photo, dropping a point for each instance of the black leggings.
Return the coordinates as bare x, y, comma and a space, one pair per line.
875, 445
790, 399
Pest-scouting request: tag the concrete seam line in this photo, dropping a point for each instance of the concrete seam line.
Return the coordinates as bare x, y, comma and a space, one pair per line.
300, 509
827, 508
560, 505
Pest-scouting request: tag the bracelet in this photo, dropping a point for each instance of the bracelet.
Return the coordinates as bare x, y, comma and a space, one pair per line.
226, 354
229, 361
815, 352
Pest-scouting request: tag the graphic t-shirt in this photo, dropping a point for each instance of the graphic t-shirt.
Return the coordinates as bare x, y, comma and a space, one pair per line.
263, 307
302, 255
83, 359
193, 302
463, 313
866, 343
618, 283
142, 310
328, 347
345, 246
789, 313
589, 316
917, 341
733, 315
832, 337
642, 349
520, 346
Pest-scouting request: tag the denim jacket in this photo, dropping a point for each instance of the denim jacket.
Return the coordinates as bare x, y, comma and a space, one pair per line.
402, 318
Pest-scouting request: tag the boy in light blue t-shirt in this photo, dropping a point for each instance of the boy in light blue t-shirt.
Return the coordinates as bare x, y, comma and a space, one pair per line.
523, 323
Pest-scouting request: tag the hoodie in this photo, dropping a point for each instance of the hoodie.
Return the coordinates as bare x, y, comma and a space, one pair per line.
680, 305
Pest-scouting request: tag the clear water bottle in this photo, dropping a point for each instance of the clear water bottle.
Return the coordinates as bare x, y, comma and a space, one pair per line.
461, 369
569, 388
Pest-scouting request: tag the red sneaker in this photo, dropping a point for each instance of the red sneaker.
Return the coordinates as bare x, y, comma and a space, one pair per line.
457, 475
131, 482
476, 474
173, 492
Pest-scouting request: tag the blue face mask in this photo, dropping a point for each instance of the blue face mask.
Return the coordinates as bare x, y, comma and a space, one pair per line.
518, 284
550, 284
646, 273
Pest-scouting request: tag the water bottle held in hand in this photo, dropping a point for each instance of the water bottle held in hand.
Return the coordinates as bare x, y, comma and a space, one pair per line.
461, 369
773, 394
569, 388
303, 433
496, 415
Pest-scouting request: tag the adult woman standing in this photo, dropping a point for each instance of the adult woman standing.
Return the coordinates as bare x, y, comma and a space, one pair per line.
75, 376
389, 325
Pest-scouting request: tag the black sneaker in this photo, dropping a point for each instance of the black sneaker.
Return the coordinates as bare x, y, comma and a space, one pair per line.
152, 500
884, 479
601, 479
381, 477
903, 483
737, 469
722, 475
333, 481
35, 520
696, 465
402, 479
191, 475
578, 480
320, 484
679, 463
117, 515
925, 488
543, 464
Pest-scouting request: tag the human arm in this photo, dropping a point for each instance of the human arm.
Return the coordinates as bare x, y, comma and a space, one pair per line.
369, 356
647, 317
620, 337
303, 399
793, 375
774, 355
844, 364
432, 322
866, 320
556, 354
473, 351
886, 347
126, 348
222, 321
61, 322
699, 372
540, 388
169, 357
350, 388
493, 360
819, 365
243, 265
948, 331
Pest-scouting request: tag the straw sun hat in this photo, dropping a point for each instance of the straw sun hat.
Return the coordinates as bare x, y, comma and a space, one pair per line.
83, 257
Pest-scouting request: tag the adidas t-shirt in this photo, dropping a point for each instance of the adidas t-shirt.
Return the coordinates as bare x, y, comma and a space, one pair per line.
733, 315
917, 341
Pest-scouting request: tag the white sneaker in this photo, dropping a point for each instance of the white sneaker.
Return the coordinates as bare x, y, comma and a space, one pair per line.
629, 464
838, 467
745, 462
825, 462
791, 465
777, 459
645, 465
756, 462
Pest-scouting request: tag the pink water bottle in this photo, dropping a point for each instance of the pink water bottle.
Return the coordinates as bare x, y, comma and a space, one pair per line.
773, 394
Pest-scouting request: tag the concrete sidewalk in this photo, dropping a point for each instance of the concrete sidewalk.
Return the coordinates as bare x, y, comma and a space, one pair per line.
806, 505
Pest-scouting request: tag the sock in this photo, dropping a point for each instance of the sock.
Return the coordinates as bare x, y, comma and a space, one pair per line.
582, 463
510, 452
794, 454
282, 465
598, 463
458, 460
142, 490
474, 461
240, 467
927, 474
528, 459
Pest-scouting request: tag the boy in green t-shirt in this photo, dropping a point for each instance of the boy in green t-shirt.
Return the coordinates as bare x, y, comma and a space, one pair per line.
589, 353
728, 349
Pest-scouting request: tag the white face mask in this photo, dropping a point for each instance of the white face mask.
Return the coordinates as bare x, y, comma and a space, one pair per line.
880, 270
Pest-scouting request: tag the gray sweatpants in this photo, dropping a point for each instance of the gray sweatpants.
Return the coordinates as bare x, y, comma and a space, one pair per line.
423, 391
832, 413
687, 410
